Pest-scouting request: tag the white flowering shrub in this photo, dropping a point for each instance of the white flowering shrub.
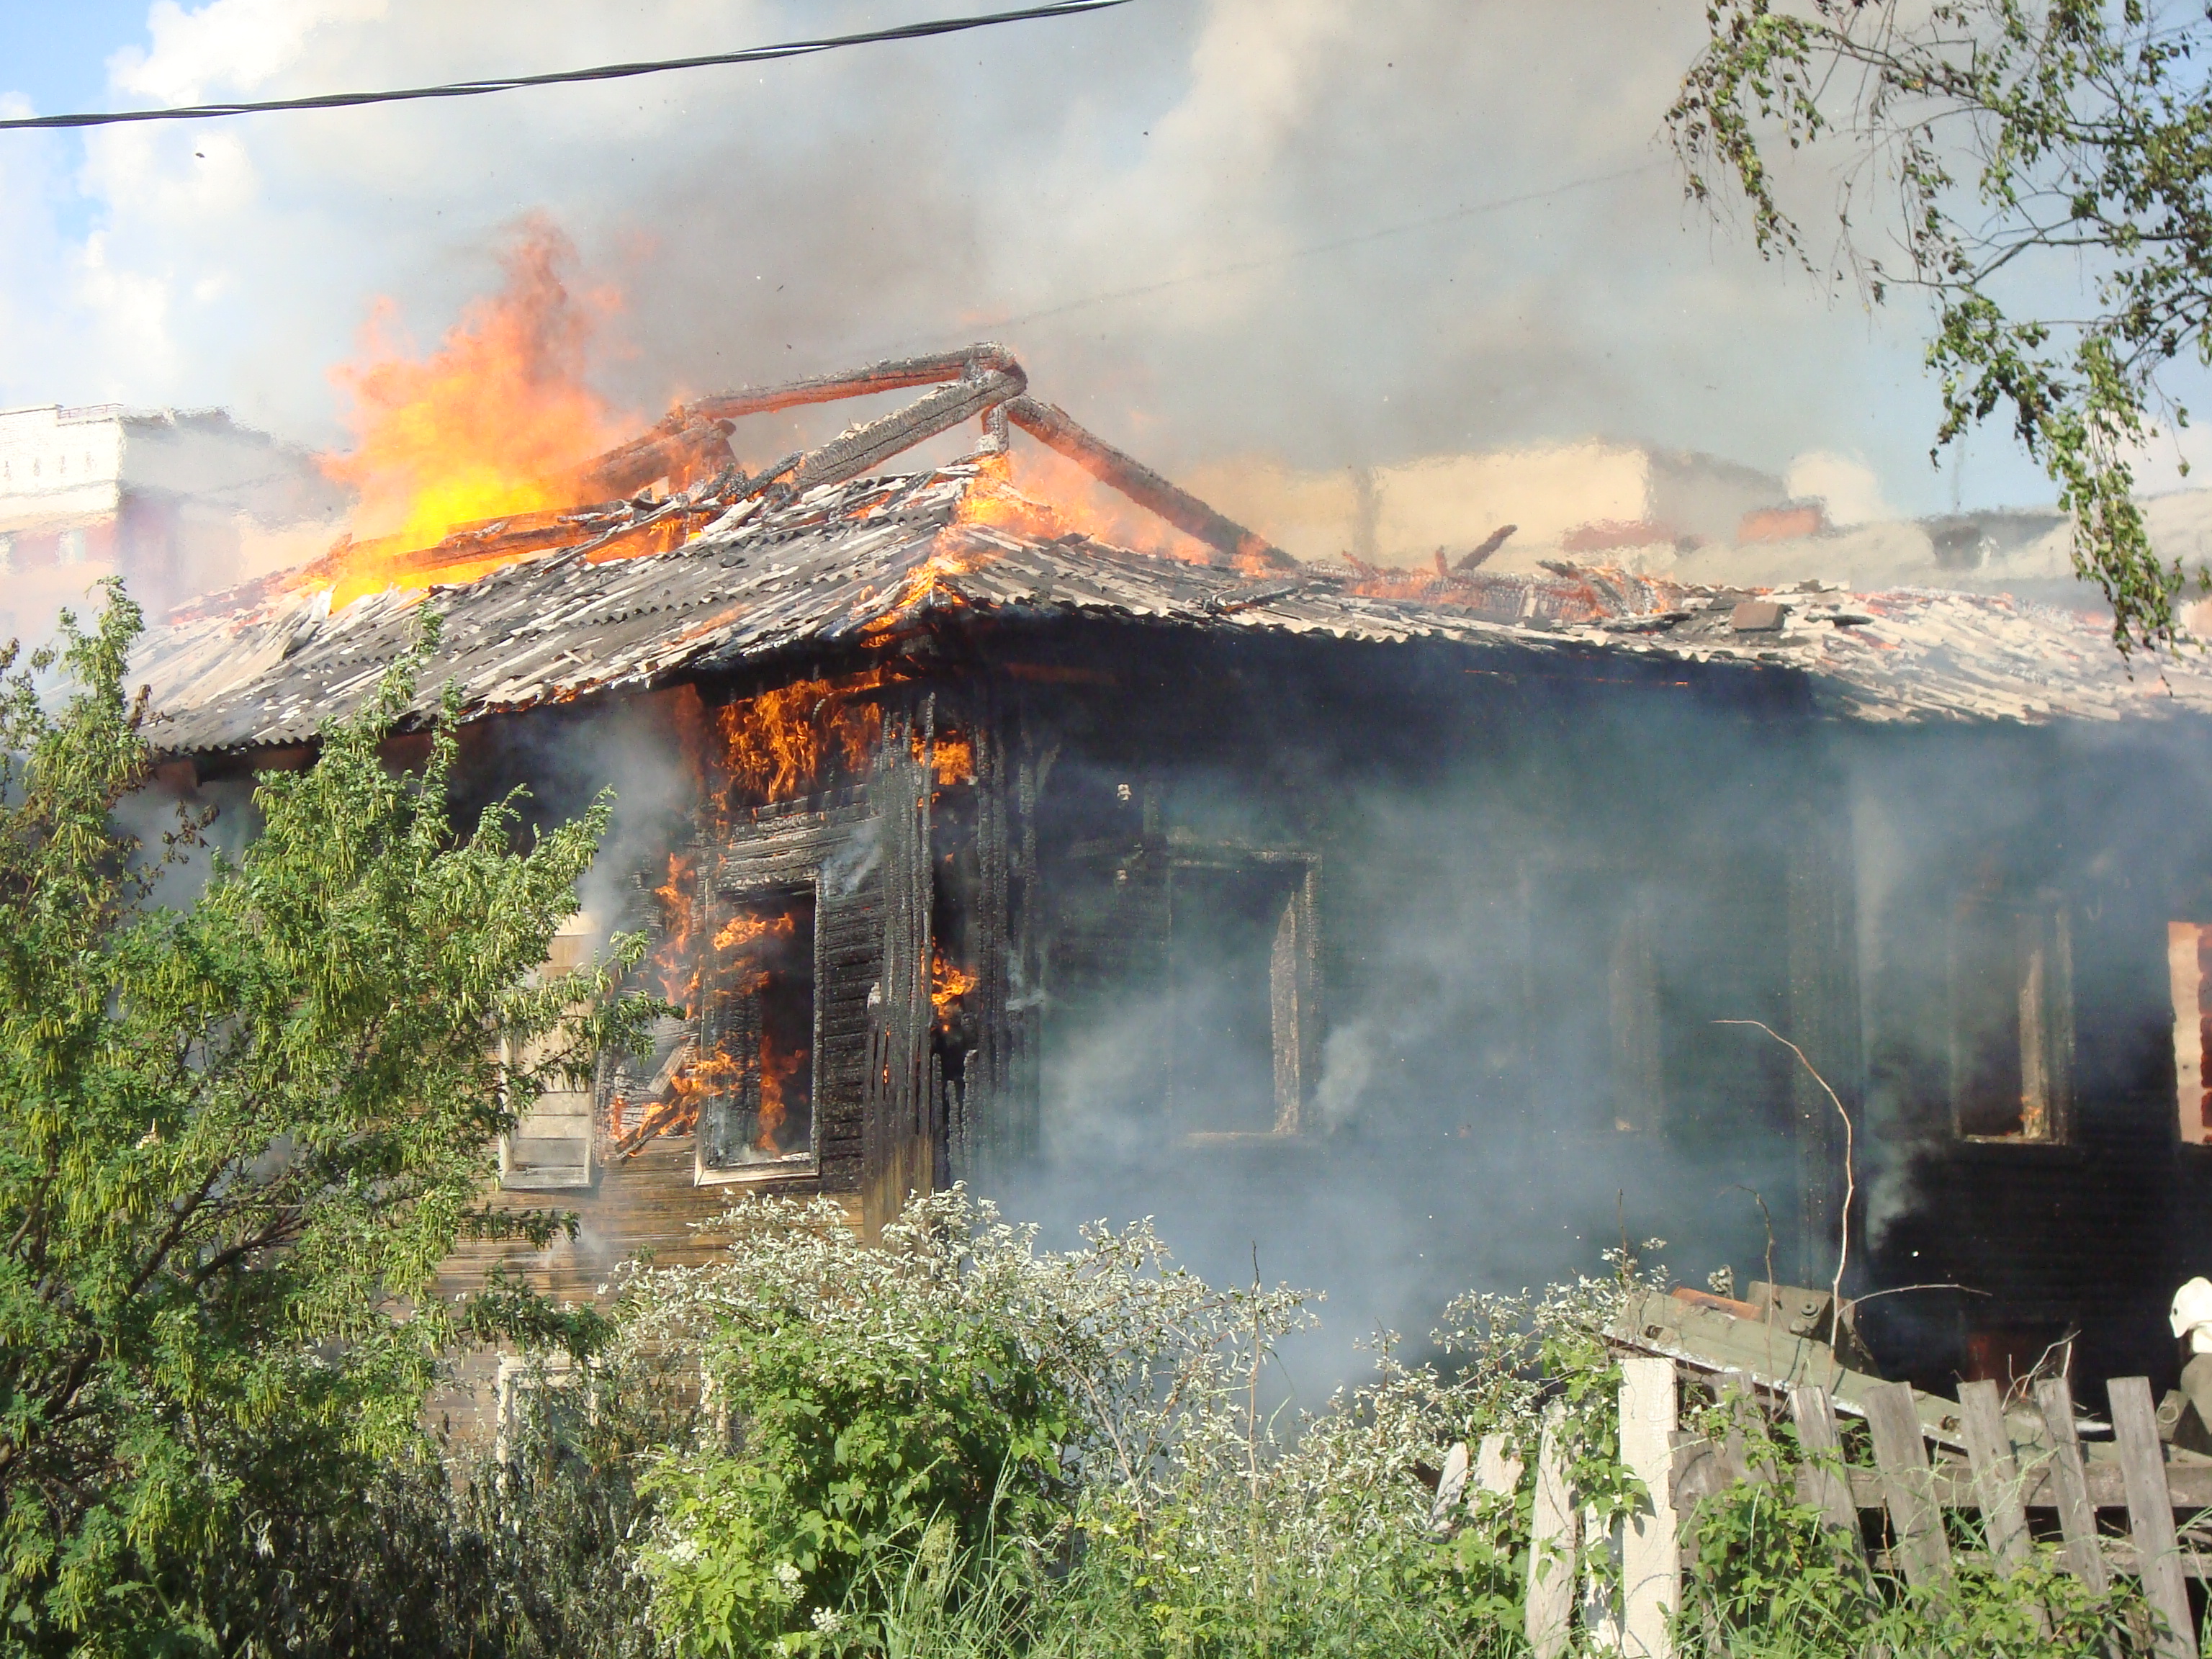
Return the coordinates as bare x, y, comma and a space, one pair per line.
1081, 1434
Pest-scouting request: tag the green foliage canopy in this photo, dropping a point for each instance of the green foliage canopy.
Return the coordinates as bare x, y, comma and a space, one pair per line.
2051, 167
237, 1140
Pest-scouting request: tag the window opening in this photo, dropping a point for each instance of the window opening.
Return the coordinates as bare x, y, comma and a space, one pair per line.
2011, 1022
757, 1038
2188, 967
550, 1143
1240, 949
544, 1393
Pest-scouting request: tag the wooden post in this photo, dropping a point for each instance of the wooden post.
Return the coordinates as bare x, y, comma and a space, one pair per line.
1651, 1553
1996, 1476
2070, 1485
2150, 1516
1823, 1482
1907, 1484
1496, 1470
1550, 1603
1451, 1486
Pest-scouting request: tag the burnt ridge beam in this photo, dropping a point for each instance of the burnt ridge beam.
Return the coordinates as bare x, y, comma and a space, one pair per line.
689, 434
1057, 430
856, 450
895, 374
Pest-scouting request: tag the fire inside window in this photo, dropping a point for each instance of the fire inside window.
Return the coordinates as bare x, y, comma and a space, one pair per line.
2011, 1022
757, 1038
2189, 966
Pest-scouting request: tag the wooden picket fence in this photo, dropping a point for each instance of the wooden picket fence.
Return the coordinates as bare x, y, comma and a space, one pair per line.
2033, 1462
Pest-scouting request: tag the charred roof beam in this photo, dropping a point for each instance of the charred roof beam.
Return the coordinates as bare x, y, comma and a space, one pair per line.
895, 374
1232, 544
984, 379
858, 448
679, 440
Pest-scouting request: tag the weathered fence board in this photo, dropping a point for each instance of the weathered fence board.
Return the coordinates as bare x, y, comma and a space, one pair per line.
2077, 1516
1893, 1425
1550, 1601
2150, 1517
1823, 1485
1997, 1475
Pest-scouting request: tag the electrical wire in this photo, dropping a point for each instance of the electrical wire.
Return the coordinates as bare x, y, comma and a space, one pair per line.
603, 72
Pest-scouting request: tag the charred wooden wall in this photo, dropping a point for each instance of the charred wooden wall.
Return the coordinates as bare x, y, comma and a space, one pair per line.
1614, 863
2091, 1233
1169, 769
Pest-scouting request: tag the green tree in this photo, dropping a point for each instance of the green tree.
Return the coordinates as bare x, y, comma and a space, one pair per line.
2041, 171
236, 1141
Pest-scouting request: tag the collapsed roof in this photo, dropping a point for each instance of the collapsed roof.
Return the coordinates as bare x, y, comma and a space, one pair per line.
820, 551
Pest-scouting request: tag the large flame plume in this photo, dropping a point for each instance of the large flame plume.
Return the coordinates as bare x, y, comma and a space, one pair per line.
495, 422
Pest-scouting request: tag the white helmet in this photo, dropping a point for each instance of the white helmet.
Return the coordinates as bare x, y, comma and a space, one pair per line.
2192, 1306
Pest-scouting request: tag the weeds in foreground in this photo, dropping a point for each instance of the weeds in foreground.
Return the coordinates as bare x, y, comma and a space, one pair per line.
957, 1445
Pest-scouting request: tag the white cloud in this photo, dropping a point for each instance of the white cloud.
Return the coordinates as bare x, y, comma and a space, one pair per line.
232, 45
133, 311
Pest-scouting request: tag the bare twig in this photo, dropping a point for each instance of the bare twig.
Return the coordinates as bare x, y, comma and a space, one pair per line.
1851, 1175
1767, 1216
1900, 1290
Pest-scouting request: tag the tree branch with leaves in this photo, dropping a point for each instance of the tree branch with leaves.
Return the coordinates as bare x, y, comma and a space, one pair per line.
2042, 174
237, 1140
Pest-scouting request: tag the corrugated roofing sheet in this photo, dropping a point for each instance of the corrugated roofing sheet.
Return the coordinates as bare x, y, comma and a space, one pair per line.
861, 562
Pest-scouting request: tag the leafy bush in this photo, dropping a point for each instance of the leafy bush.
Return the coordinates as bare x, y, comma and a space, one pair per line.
1073, 1445
951, 1387
236, 1143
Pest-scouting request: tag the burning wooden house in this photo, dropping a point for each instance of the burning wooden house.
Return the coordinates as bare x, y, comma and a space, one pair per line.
1328, 902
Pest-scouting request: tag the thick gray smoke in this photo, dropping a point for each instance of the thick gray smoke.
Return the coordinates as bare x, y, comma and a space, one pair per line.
1482, 1116
1332, 234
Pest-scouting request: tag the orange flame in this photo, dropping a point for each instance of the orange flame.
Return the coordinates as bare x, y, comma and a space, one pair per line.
675, 1114
949, 983
678, 974
495, 422
775, 1070
777, 744
743, 930
953, 757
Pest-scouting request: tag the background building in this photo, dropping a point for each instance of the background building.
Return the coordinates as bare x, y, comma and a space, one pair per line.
176, 503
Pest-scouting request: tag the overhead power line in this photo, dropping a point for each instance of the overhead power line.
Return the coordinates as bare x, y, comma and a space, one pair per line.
603, 72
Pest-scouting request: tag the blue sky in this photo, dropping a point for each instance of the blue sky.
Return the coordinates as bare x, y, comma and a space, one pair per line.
55, 52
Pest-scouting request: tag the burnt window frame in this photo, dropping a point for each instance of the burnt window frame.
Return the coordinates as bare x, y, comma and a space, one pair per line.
1296, 1063
2191, 1072
2051, 916
515, 1179
737, 892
